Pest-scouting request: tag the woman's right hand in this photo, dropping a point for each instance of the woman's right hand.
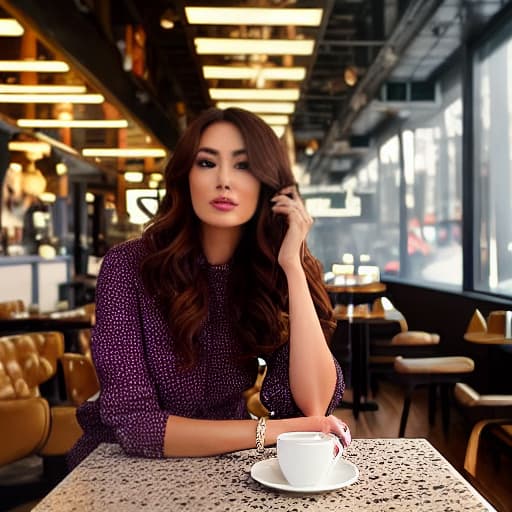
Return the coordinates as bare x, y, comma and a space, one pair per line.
333, 425
326, 424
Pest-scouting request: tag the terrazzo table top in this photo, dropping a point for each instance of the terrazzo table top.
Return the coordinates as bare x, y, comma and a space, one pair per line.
394, 474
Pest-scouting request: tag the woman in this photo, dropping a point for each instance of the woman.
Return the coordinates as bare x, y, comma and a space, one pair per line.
220, 276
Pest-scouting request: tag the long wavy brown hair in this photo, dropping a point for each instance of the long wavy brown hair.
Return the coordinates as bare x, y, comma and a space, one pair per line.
174, 269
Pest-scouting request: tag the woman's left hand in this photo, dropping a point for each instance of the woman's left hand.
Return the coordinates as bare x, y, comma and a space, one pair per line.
287, 202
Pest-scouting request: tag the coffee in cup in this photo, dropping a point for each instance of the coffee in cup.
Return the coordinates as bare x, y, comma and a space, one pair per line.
307, 458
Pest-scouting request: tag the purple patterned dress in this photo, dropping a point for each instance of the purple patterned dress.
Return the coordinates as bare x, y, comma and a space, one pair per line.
141, 383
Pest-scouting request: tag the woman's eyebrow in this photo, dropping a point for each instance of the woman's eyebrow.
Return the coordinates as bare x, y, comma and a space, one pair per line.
208, 150
212, 151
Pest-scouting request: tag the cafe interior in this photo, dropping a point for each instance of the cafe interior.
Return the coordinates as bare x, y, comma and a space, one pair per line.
397, 119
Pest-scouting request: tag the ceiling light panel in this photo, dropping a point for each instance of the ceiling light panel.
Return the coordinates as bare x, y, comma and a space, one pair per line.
124, 152
253, 16
10, 28
255, 94
232, 46
42, 89
51, 98
36, 66
275, 119
273, 107
29, 146
254, 73
73, 123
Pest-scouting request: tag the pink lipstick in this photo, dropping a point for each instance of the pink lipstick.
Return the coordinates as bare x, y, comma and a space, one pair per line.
223, 204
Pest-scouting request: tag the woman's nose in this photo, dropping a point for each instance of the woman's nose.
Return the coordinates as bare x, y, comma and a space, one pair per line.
223, 179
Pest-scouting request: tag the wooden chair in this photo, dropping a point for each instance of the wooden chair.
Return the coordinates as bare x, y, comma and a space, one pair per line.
476, 407
488, 413
424, 369
442, 371
500, 427
386, 343
406, 344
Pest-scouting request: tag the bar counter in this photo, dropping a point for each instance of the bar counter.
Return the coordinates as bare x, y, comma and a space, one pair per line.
394, 474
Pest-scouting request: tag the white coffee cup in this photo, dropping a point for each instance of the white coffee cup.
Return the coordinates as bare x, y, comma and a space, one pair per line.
307, 458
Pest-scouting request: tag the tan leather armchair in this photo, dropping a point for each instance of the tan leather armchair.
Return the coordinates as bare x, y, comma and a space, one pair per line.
24, 427
26, 361
79, 376
28, 425
9, 308
79, 372
252, 395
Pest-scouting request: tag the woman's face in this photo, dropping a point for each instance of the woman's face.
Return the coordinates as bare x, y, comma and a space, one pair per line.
223, 190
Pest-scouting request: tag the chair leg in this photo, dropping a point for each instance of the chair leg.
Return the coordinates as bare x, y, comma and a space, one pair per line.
405, 412
445, 406
432, 405
374, 384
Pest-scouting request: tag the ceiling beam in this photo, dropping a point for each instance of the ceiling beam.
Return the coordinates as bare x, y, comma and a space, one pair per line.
81, 42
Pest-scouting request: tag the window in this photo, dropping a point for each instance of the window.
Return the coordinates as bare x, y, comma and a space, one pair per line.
426, 208
433, 196
492, 135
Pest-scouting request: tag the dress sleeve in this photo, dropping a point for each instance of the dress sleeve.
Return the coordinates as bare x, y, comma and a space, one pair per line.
276, 394
128, 399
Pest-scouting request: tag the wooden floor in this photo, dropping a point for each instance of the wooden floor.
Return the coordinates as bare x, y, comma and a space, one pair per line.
495, 483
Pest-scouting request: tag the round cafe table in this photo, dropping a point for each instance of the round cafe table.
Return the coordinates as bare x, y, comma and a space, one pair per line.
352, 299
489, 333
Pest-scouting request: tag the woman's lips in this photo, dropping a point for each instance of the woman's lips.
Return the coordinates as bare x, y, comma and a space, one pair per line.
224, 205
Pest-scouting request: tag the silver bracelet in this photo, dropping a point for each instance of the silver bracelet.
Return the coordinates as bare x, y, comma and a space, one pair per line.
260, 435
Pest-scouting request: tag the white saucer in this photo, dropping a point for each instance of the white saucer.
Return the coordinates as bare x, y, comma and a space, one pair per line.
268, 472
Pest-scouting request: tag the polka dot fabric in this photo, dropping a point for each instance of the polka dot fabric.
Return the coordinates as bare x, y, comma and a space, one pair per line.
141, 382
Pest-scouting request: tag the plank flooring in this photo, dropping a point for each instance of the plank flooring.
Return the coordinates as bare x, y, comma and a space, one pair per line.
494, 482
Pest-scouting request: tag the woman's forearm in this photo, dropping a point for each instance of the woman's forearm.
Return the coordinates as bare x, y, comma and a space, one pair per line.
312, 370
187, 437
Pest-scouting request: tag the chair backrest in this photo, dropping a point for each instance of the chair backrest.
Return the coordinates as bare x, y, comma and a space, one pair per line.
27, 360
79, 376
24, 427
84, 342
10, 307
84, 335
502, 426
90, 311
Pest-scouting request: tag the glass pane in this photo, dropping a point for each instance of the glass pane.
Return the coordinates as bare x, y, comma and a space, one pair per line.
388, 200
493, 165
433, 197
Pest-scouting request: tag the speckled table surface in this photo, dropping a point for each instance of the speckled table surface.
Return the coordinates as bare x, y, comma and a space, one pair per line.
394, 474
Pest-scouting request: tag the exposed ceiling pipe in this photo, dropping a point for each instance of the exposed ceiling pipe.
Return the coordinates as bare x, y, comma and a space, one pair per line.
409, 25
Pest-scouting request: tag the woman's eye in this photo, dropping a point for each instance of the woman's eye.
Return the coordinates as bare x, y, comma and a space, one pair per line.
242, 165
203, 162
